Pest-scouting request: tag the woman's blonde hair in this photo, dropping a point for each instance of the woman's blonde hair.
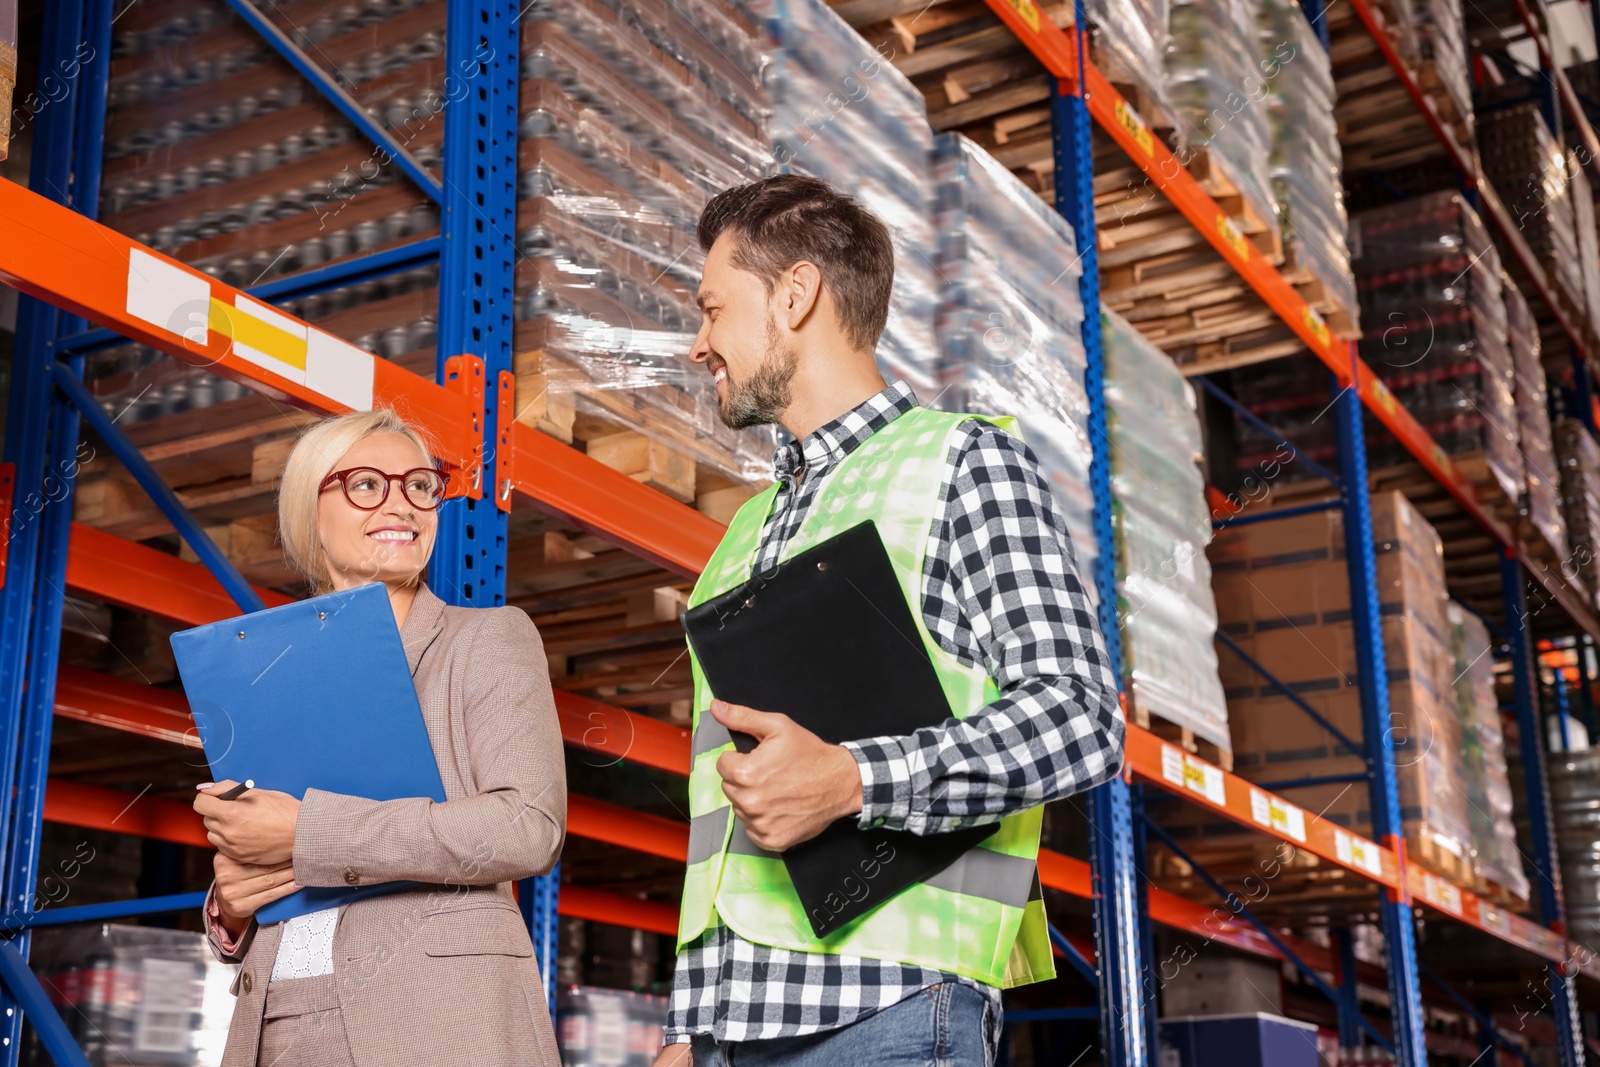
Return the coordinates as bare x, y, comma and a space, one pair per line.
310, 461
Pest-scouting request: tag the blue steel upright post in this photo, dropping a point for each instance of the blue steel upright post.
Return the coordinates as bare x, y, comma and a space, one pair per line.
1125, 1026
42, 439
1563, 993
477, 299
1405, 986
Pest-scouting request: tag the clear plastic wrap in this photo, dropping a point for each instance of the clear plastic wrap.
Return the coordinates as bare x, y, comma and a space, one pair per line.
1215, 82
1528, 168
1541, 506
1436, 329
1588, 239
1441, 41
1010, 321
134, 995
1496, 857
1579, 459
1162, 524
1304, 162
841, 112
1133, 35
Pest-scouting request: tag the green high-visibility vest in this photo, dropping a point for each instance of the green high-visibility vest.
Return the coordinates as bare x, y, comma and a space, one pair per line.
983, 917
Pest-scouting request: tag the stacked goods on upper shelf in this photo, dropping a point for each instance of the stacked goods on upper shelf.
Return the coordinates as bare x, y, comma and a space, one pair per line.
1496, 859
1130, 46
1216, 90
1579, 459
1435, 332
842, 112
1583, 217
1528, 169
1543, 528
1283, 596
8, 72
631, 117
1162, 525
1010, 321
1381, 128
1305, 163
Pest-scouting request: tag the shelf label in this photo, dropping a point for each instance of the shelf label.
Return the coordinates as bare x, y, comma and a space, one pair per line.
1230, 233
1441, 894
1135, 126
1382, 396
1195, 775
1278, 814
1028, 11
1357, 852
1492, 918
1318, 328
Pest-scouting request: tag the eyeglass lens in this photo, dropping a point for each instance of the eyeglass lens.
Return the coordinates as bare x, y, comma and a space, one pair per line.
367, 487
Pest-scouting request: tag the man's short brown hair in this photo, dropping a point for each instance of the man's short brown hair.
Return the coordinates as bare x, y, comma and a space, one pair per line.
780, 221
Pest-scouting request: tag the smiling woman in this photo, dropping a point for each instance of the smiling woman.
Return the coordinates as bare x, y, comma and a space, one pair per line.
442, 971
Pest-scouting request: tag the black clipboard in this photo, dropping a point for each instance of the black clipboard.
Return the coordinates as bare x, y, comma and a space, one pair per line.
827, 638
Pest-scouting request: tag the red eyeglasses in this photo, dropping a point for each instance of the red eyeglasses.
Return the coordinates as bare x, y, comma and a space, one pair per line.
368, 487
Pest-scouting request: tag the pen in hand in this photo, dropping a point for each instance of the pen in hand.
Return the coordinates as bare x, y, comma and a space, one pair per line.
237, 791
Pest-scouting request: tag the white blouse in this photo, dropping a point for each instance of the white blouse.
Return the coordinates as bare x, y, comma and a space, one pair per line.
305, 949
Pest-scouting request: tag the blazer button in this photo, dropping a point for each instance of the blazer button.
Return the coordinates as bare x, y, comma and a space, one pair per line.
351, 877
248, 982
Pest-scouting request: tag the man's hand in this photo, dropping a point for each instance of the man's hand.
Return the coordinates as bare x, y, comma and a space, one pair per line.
792, 786
245, 888
674, 1056
258, 828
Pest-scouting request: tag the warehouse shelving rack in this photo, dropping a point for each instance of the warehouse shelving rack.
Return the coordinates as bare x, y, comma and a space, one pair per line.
78, 270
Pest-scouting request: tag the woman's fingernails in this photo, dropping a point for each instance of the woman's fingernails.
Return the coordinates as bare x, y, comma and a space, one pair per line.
205, 785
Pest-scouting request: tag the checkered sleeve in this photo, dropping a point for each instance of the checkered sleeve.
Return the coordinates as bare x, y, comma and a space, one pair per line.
1001, 586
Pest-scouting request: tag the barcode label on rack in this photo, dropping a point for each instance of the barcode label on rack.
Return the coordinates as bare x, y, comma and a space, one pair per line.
1492, 918
1357, 852
1441, 894
1230, 233
1135, 126
1278, 814
1197, 776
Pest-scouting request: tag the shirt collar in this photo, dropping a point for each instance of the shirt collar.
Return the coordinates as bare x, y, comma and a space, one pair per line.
834, 440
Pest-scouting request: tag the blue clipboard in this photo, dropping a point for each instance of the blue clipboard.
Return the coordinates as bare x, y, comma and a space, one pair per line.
315, 694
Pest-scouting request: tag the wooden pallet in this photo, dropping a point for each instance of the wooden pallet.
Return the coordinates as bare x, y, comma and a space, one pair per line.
1178, 734
1343, 321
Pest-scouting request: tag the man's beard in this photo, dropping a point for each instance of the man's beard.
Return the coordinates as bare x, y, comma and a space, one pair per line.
766, 396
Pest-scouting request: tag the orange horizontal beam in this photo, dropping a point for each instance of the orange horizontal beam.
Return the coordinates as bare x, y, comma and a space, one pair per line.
1169, 767
596, 905
615, 735
127, 573
559, 479
97, 808
636, 830
60, 256
129, 707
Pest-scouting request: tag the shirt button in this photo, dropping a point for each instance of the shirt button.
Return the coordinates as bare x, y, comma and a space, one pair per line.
248, 982
351, 877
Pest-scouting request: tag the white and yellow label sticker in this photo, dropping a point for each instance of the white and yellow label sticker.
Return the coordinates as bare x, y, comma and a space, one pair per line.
1195, 775
1130, 120
1278, 814
1357, 852
1230, 233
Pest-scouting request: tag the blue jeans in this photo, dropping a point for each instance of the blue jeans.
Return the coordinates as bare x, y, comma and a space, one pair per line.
945, 1025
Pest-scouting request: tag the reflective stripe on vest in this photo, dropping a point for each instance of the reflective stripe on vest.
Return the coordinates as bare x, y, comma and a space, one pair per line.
982, 917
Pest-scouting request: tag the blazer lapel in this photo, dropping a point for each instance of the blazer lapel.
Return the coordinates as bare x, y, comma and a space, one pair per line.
424, 624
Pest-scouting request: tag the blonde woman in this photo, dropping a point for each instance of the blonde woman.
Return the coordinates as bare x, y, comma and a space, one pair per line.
442, 973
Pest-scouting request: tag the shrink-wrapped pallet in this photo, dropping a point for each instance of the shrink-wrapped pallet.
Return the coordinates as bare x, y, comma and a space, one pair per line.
1541, 503
1435, 330
1496, 859
1305, 156
1579, 460
1216, 85
843, 113
1131, 44
631, 116
1010, 321
1529, 171
1162, 524
1588, 241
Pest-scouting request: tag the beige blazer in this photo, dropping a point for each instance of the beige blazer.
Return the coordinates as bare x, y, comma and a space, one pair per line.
443, 973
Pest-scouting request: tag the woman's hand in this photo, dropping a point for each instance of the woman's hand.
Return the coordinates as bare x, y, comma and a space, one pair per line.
256, 829
245, 888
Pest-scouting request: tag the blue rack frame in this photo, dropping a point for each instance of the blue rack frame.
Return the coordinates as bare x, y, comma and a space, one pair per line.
477, 259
